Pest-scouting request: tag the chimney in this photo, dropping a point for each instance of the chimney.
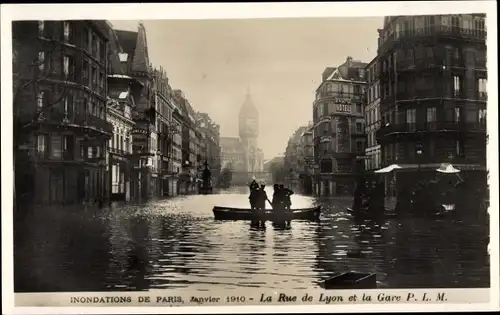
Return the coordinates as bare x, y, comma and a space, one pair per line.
349, 61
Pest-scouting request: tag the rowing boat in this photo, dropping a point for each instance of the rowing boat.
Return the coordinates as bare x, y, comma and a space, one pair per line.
238, 214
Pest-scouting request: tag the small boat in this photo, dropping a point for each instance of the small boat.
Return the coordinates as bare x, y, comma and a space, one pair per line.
237, 214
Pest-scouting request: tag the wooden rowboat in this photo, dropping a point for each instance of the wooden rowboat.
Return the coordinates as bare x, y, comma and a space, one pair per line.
242, 214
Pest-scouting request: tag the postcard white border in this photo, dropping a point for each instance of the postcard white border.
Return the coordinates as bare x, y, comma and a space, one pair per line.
241, 11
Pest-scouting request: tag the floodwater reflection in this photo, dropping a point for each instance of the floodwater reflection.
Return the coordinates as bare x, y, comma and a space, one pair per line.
176, 243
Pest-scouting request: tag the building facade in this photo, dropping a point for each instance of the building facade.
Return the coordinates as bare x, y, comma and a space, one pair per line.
339, 135
60, 127
134, 57
211, 150
433, 93
373, 154
294, 161
189, 171
307, 176
166, 128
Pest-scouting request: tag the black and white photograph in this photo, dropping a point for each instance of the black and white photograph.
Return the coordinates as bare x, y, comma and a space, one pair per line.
236, 161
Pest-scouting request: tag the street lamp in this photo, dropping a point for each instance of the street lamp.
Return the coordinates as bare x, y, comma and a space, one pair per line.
419, 153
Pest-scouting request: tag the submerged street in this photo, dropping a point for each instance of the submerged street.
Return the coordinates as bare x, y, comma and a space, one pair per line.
176, 243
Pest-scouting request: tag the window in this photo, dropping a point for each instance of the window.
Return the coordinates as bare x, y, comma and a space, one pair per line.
357, 90
359, 127
66, 66
41, 28
55, 146
431, 118
68, 146
94, 76
457, 114
101, 81
361, 73
89, 48
460, 147
482, 85
482, 116
341, 89
429, 52
41, 144
456, 85
41, 60
455, 22
67, 31
359, 146
359, 108
40, 99
411, 119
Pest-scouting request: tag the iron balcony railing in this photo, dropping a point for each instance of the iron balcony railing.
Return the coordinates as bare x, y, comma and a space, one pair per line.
430, 127
79, 119
435, 31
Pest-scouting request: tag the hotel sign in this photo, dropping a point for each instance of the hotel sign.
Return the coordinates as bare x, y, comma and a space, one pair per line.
342, 105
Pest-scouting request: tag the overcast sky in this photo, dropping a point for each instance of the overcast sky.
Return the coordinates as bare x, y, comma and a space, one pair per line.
279, 60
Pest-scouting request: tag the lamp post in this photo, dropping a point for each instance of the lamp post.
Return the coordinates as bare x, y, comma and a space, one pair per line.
419, 153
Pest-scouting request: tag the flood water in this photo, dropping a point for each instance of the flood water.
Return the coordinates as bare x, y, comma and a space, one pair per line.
177, 243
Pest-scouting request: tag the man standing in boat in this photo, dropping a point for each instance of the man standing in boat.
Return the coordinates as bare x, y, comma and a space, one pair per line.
277, 198
254, 193
262, 197
286, 193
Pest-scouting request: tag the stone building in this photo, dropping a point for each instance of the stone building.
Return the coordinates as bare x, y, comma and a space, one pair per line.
210, 133
60, 129
339, 135
134, 57
166, 128
433, 94
372, 116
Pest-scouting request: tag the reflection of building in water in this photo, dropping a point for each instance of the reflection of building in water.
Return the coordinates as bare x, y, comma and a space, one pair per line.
242, 154
338, 129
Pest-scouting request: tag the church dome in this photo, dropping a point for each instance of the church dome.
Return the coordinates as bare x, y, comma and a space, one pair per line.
248, 108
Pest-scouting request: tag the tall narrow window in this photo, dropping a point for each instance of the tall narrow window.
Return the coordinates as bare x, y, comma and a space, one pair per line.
40, 99
42, 144
431, 118
55, 146
482, 84
457, 117
460, 147
66, 66
67, 31
41, 28
41, 60
482, 116
456, 85
411, 119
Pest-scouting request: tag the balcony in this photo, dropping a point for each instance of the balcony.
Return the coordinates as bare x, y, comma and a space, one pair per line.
442, 126
118, 152
91, 122
435, 31
344, 96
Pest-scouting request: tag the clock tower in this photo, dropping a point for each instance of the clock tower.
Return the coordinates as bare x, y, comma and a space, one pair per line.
249, 132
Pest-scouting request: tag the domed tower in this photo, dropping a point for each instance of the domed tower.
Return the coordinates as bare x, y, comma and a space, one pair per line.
249, 132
